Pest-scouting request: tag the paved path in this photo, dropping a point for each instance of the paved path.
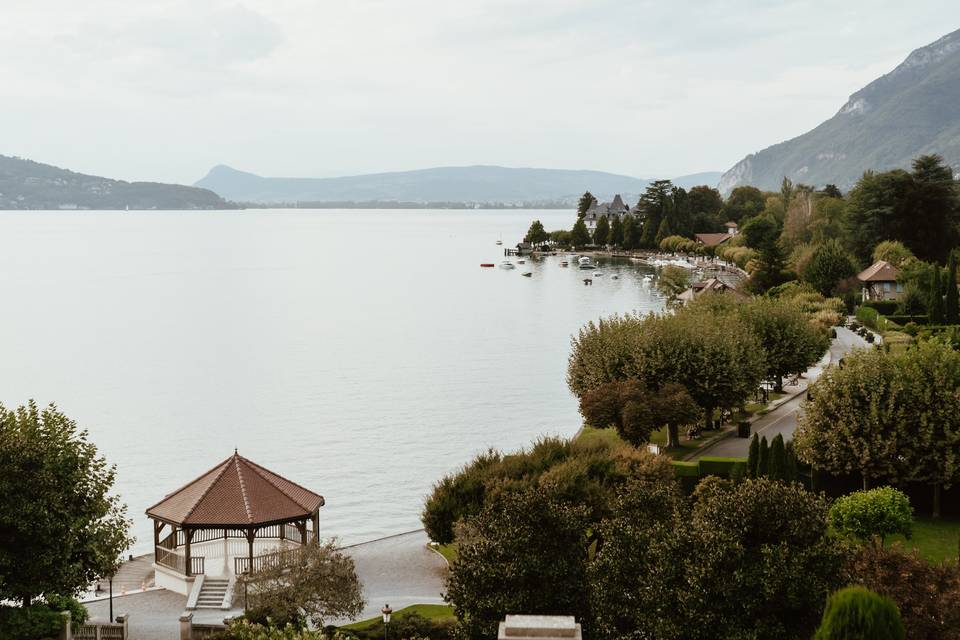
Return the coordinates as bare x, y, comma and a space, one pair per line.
399, 570
783, 419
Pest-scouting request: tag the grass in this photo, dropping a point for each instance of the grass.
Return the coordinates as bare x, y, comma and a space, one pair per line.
448, 551
428, 611
936, 540
759, 408
659, 438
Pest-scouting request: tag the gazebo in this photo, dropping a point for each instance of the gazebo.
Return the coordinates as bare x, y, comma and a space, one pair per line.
234, 519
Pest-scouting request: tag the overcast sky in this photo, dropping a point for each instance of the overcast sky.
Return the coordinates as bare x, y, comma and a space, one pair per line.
165, 89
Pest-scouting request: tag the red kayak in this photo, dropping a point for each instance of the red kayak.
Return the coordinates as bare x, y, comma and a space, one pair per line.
487, 264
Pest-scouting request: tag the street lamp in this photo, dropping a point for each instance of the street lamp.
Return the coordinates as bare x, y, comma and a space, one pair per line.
386, 611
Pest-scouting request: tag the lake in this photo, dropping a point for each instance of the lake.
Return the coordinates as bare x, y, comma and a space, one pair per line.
362, 354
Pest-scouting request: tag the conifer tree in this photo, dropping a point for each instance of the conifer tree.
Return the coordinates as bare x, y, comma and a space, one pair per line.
579, 235
952, 303
586, 201
631, 233
935, 304
778, 459
616, 231
753, 457
763, 458
791, 475
601, 235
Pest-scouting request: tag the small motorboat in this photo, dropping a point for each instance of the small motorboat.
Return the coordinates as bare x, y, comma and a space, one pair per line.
487, 264
506, 264
615, 277
527, 274
564, 263
587, 281
597, 274
586, 263
499, 241
521, 262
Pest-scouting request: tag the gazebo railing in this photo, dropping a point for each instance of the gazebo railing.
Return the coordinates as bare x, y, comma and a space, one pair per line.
172, 559
282, 558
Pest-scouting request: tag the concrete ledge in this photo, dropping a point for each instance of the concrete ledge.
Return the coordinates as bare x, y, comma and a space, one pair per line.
195, 593
171, 580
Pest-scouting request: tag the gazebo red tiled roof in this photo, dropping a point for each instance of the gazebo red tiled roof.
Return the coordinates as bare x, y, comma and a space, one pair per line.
237, 493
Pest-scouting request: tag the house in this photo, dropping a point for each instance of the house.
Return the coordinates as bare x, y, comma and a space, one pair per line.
880, 281
732, 227
711, 285
613, 209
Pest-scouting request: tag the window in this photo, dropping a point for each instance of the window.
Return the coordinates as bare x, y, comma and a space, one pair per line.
886, 286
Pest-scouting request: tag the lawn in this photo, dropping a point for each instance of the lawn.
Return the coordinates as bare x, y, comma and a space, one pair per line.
448, 551
937, 540
428, 611
610, 436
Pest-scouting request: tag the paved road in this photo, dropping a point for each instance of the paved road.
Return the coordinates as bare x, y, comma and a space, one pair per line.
399, 571
783, 419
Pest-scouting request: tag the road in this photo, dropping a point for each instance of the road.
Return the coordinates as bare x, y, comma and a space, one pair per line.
784, 418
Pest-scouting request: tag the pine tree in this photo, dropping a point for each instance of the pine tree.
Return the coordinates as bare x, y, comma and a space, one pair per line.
579, 235
586, 201
791, 475
935, 304
763, 458
778, 460
631, 233
753, 456
601, 235
952, 303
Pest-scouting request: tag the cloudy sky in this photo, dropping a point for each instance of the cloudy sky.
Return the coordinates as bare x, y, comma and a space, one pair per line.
165, 89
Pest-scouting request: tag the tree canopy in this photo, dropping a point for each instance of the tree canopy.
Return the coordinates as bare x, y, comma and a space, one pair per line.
536, 234
60, 528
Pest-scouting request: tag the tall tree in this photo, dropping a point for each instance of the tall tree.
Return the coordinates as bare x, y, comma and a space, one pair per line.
525, 551
790, 343
952, 305
763, 458
753, 456
536, 234
705, 204
616, 231
653, 206
579, 235
829, 265
777, 469
763, 234
60, 529
601, 233
743, 203
631, 233
586, 201
935, 298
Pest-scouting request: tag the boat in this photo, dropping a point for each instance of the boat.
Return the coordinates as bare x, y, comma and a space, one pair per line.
500, 240
597, 274
521, 262
527, 274
564, 263
586, 262
615, 277
487, 264
506, 264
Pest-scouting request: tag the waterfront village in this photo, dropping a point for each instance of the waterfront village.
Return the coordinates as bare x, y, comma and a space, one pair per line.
774, 455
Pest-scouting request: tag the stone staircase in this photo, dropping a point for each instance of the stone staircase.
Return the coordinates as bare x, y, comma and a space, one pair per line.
212, 593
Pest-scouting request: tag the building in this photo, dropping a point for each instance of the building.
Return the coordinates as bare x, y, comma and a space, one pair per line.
613, 209
712, 239
710, 285
879, 281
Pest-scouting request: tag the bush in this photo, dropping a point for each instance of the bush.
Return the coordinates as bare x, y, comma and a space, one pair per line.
883, 307
36, 622
722, 467
871, 516
856, 613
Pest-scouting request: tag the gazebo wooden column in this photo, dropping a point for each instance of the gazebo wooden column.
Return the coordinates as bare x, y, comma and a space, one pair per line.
316, 526
251, 534
188, 536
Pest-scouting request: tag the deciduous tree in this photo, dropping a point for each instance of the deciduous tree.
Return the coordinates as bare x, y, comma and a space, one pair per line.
870, 516
536, 234
791, 344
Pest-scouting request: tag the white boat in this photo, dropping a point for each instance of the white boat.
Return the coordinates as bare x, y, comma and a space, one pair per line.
506, 264
527, 274
597, 274
585, 262
564, 263
615, 277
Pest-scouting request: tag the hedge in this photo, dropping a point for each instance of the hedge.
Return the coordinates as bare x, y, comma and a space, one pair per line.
883, 307
902, 320
719, 466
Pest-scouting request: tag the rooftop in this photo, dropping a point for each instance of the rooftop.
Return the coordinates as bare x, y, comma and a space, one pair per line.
879, 271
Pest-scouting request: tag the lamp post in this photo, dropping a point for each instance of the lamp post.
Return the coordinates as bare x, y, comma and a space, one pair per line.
386, 611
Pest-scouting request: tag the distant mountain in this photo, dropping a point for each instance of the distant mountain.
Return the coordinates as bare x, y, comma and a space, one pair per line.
25, 184
911, 111
477, 184
708, 178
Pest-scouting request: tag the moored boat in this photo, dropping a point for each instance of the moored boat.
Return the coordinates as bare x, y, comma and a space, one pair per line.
506, 264
487, 264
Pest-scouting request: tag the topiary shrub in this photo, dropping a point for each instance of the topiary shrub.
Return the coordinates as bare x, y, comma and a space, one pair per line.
856, 613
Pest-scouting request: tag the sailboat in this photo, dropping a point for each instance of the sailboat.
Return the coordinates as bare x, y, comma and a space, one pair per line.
500, 239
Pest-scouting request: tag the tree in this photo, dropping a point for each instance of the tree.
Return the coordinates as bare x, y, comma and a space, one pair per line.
894, 252
616, 231
778, 459
763, 234
673, 281
705, 204
525, 551
831, 191
892, 417
631, 233
927, 593
579, 235
743, 203
952, 304
536, 234
748, 560
655, 206
791, 344
60, 529
601, 234
856, 613
935, 306
871, 516
636, 411
320, 586
763, 458
753, 456
829, 264
586, 201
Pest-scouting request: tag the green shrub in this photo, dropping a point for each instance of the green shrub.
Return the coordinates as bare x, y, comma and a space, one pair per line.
36, 622
872, 515
867, 316
856, 613
883, 307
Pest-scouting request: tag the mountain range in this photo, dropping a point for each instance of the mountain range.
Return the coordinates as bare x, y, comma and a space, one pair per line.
911, 111
25, 184
474, 184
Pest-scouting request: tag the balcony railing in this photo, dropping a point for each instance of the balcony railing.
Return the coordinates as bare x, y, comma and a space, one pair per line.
262, 562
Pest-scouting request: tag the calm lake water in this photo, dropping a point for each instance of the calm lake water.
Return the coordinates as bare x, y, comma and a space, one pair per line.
362, 354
